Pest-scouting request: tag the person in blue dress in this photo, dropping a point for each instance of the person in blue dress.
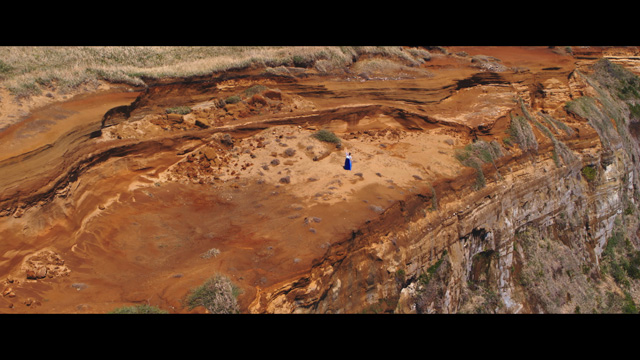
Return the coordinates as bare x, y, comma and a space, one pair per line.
347, 162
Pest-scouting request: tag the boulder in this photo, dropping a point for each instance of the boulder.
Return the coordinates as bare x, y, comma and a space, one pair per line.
175, 118
44, 264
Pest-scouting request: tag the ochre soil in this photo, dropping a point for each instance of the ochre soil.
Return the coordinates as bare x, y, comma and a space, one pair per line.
130, 214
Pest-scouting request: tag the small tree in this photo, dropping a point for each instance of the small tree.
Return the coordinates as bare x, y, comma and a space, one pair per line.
218, 295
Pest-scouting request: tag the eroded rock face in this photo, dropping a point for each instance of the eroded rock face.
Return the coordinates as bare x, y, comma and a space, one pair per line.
531, 241
497, 193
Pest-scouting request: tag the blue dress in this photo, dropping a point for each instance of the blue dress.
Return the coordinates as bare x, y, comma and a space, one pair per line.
347, 163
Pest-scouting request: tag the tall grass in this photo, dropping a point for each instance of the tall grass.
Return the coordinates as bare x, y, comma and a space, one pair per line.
477, 153
27, 70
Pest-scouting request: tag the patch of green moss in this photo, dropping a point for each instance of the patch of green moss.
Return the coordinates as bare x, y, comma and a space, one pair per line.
589, 173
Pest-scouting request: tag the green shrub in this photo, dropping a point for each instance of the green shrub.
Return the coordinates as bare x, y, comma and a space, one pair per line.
635, 110
629, 306
629, 209
620, 260
300, 61
139, 309
326, 136
182, 110
255, 89
4, 68
218, 295
424, 278
589, 172
632, 266
233, 99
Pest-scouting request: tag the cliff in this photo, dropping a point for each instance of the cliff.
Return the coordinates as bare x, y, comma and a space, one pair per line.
485, 180
537, 237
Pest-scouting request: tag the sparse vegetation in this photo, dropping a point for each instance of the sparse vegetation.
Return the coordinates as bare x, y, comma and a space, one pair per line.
557, 124
553, 274
617, 93
327, 136
478, 153
587, 107
432, 285
521, 133
233, 99
5, 69
629, 306
425, 277
620, 259
217, 295
139, 309
434, 198
589, 173
560, 150
26, 70
181, 110
255, 89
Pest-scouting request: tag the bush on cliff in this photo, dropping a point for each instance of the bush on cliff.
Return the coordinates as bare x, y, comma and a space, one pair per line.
478, 153
522, 133
217, 295
589, 172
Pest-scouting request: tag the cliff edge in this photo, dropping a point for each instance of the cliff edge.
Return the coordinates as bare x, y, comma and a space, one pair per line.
484, 180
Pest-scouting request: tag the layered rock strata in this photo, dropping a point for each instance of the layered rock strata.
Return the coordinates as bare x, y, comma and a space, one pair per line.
498, 189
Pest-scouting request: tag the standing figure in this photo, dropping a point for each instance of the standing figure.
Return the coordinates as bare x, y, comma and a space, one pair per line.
347, 162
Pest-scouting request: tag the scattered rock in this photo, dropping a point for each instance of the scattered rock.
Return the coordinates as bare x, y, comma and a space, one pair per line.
79, 286
285, 180
227, 140
45, 264
8, 292
210, 153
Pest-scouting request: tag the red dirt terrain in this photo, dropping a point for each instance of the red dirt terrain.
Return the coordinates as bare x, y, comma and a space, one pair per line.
107, 201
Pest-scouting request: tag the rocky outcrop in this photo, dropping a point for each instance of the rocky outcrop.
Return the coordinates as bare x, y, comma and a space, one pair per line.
44, 264
542, 222
499, 189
